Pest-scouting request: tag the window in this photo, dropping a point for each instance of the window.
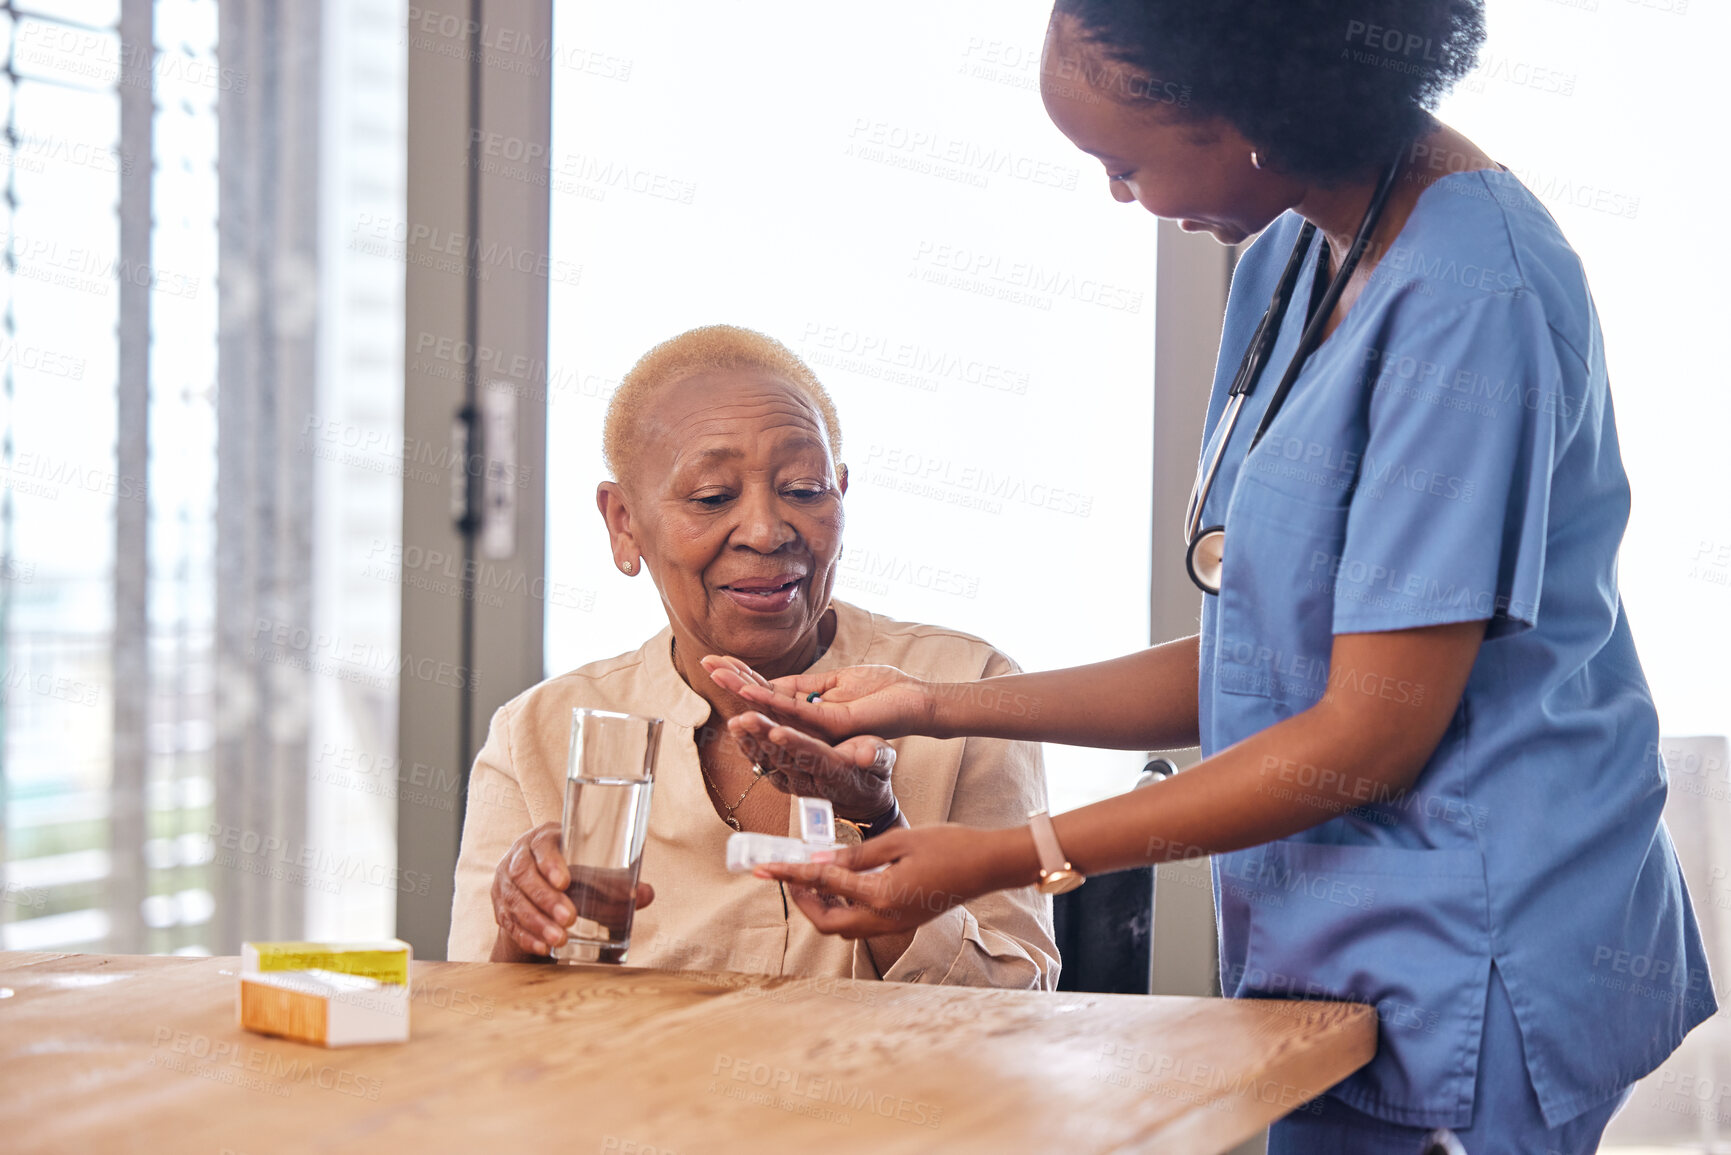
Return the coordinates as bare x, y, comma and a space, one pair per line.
196, 746
77, 725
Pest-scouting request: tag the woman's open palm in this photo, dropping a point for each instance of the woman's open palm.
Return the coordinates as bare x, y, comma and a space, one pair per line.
879, 700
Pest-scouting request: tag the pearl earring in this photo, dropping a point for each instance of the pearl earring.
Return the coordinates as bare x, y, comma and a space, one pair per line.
1255, 160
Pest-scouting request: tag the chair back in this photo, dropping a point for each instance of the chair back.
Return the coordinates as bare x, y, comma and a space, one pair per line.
1105, 927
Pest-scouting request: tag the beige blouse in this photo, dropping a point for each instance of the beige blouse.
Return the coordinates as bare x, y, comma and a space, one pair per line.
704, 918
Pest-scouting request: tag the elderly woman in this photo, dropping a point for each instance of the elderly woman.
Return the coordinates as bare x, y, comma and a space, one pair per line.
726, 492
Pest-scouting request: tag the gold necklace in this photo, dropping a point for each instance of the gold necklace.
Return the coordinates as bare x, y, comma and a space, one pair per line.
729, 818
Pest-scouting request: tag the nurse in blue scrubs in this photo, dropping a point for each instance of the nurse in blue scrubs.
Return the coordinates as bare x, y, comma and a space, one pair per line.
1431, 778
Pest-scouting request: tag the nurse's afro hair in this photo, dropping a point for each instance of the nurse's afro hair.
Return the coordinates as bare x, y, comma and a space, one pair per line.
1326, 90
703, 350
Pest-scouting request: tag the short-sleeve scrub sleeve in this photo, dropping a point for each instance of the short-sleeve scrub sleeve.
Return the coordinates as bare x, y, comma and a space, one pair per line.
1448, 520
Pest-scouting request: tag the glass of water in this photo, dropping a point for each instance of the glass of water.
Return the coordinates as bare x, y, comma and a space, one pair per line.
607, 784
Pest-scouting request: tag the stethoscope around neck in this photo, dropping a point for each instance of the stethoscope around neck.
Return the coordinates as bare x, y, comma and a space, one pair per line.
1205, 549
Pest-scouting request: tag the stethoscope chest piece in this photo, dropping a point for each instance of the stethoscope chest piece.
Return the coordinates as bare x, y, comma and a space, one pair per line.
1205, 558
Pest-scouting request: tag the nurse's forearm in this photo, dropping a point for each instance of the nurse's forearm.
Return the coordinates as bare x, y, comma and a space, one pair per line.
1240, 797
1349, 750
1144, 701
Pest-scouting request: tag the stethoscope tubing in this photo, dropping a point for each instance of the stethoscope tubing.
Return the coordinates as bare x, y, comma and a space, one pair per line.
1261, 344
1199, 489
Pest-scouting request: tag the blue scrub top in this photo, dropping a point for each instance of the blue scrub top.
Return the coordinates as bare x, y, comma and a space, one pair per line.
1447, 455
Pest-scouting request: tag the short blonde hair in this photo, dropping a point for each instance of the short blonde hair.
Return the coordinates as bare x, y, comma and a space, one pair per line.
703, 350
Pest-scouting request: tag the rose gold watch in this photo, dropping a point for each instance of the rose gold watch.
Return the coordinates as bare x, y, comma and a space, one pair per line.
1057, 876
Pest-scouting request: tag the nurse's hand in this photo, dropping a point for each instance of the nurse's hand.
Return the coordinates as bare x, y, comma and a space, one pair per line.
879, 700
854, 774
531, 903
928, 871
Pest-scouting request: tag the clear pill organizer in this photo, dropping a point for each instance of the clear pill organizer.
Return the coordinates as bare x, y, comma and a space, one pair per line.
747, 850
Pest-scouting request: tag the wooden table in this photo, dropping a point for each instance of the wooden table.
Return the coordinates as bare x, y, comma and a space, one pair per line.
133, 1053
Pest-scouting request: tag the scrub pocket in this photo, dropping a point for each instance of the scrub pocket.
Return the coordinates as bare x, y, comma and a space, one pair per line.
1406, 931
1276, 606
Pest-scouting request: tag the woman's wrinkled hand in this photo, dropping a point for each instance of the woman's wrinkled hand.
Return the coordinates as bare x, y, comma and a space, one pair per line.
925, 872
879, 700
854, 774
530, 903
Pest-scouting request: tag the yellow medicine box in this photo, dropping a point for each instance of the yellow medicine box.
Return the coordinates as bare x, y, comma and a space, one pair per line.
331, 994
